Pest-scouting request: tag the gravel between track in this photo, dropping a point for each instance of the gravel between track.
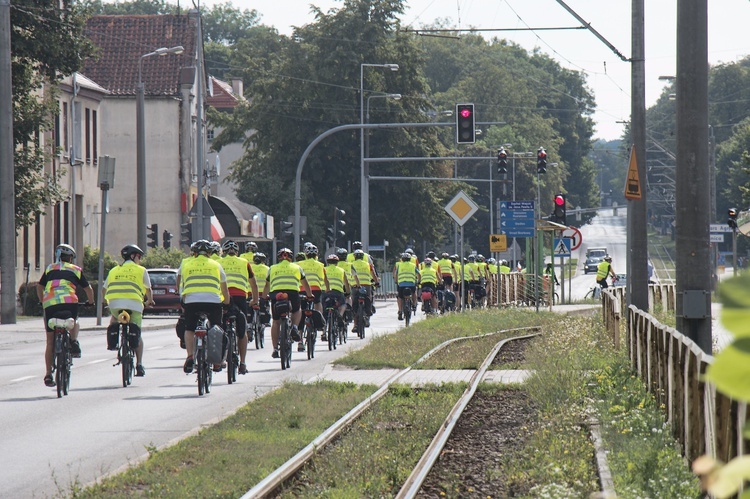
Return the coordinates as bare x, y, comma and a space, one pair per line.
492, 428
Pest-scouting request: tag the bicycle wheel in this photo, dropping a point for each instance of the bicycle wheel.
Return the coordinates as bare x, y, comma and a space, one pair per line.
209, 376
258, 330
407, 311
202, 368
331, 330
232, 355
361, 321
341, 326
126, 358
67, 363
284, 344
59, 373
310, 335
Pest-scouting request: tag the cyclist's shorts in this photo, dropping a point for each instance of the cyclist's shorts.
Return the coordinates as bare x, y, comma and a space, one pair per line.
317, 293
63, 310
404, 291
135, 317
335, 297
447, 280
293, 299
429, 286
213, 311
239, 304
603, 283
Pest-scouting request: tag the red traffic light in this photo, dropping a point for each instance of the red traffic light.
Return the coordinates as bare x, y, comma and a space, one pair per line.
465, 112
559, 200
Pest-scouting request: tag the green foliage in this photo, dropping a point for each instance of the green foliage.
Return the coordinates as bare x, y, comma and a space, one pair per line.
161, 258
91, 263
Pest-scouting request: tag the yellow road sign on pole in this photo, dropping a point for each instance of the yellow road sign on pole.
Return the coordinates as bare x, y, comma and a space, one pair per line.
498, 243
633, 183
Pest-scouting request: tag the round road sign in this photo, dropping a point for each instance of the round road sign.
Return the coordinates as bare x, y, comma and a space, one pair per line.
576, 237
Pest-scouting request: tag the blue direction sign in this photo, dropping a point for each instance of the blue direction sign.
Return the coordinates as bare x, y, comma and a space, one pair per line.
517, 218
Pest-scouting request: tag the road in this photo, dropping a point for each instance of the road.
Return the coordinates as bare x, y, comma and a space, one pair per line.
51, 444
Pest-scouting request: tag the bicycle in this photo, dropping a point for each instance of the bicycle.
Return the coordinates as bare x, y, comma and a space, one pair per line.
202, 367
361, 314
407, 305
258, 327
309, 334
427, 302
62, 360
332, 316
233, 354
283, 310
126, 354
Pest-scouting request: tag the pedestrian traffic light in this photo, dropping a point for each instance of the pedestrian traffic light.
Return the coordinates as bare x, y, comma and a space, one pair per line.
166, 239
502, 161
560, 210
541, 160
153, 236
732, 221
465, 123
287, 227
186, 234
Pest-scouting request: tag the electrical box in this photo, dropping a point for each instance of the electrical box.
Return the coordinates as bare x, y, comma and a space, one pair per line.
695, 304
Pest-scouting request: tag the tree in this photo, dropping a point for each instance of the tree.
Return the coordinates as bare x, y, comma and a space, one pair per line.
47, 43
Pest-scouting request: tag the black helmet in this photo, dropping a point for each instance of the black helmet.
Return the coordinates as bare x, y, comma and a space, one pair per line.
357, 245
341, 252
259, 258
65, 250
431, 254
230, 246
284, 253
128, 251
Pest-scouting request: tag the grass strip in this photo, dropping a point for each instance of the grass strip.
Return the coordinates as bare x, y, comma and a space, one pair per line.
227, 459
375, 456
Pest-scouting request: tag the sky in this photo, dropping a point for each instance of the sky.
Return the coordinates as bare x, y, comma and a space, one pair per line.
606, 74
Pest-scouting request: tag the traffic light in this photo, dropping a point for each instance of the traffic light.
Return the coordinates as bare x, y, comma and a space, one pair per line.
167, 239
560, 209
339, 223
186, 234
153, 236
465, 123
331, 235
732, 221
502, 161
541, 160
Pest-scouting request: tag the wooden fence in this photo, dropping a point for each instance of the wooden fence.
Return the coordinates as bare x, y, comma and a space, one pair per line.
702, 420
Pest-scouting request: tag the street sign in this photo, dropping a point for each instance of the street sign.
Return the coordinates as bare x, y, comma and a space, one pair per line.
718, 228
517, 223
461, 208
633, 183
498, 243
716, 238
562, 247
207, 210
517, 218
575, 235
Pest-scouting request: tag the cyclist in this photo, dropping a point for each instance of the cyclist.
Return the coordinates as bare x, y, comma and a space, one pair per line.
604, 270
471, 277
285, 277
406, 275
357, 245
250, 249
56, 291
260, 269
366, 277
503, 267
203, 288
126, 287
447, 272
353, 281
300, 257
483, 274
458, 269
240, 282
316, 278
339, 287
428, 280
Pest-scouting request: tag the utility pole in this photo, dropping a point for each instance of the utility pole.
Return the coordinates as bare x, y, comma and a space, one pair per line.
692, 214
7, 176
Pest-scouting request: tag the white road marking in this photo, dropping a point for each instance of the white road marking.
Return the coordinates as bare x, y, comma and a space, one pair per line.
22, 378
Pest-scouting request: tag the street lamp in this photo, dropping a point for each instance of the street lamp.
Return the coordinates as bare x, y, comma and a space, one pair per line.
364, 216
140, 133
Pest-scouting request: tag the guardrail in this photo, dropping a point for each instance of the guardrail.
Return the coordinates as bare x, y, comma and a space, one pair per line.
703, 421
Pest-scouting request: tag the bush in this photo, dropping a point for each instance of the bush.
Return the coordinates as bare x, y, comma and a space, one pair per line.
156, 258
91, 263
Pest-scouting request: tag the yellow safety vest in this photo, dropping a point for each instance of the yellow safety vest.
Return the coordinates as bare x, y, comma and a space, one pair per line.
237, 275
125, 282
429, 275
504, 269
285, 276
602, 270
336, 276
445, 266
261, 272
347, 266
469, 268
200, 275
457, 266
406, 272
314, 272
350, 257
362, 268
248, 255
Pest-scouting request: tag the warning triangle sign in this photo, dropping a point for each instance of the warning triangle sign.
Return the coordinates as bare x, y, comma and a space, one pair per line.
633, 182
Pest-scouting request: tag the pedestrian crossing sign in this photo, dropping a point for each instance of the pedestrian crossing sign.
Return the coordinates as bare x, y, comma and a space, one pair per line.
562, 246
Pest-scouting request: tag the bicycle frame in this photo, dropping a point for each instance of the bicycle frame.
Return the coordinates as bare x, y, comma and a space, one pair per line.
233, 356
204, 371
126, 353
62, 360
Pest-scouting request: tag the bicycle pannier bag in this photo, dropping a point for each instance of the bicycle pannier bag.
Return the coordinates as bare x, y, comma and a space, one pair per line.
113, 336
215, 345
134, 335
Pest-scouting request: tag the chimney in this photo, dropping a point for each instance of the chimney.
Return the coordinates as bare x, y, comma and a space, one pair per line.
237, 87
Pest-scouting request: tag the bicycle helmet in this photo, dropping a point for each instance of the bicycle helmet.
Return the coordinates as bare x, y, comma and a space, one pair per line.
194, 247
431, 254
491, 261
259, 258
480, 257
311, 251
357, 245
202, 247
410, 251
341, 252
444, 255
65, 250
453, 258
251, 246
359, 254
230, 246
608, 258
471, 258
427, 262
128, 251
332, 259
284, 253
215, 247
405, 257
300, 256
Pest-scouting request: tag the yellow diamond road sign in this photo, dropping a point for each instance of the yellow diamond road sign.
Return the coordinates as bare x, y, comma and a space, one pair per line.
461, 208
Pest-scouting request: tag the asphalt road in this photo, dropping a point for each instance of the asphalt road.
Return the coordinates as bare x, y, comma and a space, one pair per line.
50, 445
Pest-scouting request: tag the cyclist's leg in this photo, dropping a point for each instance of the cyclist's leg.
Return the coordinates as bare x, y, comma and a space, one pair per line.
137, 319
241, 312
191, 320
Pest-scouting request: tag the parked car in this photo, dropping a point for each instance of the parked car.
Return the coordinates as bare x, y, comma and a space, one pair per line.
165, 291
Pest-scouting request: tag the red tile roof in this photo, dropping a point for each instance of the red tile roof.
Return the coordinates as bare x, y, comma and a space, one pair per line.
221, 95
122, 40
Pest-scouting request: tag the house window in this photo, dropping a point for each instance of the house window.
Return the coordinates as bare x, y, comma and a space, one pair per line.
210, 134
25, 247
88, 136
38, 242
94, 137
77, 132
65, 127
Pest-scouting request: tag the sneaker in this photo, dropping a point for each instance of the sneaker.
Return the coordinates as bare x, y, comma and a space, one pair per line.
354, 330
182, 343
301, 347
295, 334
75, 349
372, 311
324, 337
188, 366
400, 316
367, 321
275, 353
250, 336
49, 381
140, 370
243, 369
217, 368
